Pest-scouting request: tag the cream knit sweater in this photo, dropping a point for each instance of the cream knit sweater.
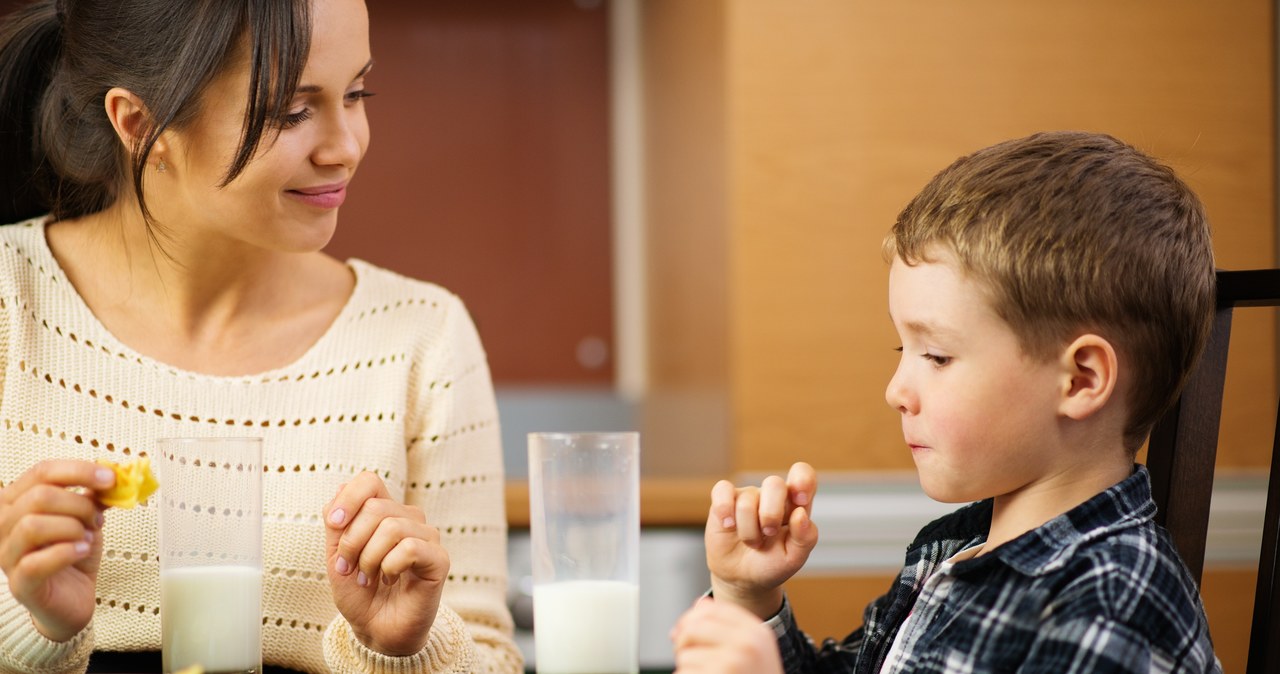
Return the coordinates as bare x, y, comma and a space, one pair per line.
398, 386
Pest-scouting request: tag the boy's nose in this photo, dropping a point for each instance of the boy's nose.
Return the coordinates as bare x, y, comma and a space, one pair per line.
897, 394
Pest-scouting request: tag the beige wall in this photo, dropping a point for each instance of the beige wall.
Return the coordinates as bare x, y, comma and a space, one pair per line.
834, 113
786, 135
686, 413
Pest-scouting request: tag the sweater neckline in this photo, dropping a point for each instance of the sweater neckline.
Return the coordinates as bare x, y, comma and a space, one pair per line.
54, 269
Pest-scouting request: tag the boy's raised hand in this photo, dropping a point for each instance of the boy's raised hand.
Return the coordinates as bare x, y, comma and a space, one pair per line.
758, 537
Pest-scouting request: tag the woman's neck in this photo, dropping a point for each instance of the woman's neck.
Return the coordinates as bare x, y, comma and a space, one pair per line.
199, 302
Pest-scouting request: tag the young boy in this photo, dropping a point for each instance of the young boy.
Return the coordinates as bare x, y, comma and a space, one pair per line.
1051, 294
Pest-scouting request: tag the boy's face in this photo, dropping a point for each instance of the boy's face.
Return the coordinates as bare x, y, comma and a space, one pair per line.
979, 416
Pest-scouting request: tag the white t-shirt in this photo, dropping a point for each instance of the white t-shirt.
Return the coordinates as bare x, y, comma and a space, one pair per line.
939, 582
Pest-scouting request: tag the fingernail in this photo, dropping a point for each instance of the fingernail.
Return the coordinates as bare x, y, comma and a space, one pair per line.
342, 566
104, 477
362, 579
88, 536
337, 516
801, 498
99, 519
728, 523
769, 531
82, 548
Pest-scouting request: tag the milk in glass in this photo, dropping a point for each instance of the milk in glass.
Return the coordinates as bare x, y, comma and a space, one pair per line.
586, 627
209, 617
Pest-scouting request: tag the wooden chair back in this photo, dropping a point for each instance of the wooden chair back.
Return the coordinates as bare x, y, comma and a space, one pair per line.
1181, 453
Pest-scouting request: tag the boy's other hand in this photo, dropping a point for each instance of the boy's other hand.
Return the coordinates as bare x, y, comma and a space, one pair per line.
758, 537
714, 636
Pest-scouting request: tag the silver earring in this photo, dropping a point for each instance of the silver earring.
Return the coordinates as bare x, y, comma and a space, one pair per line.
160, 167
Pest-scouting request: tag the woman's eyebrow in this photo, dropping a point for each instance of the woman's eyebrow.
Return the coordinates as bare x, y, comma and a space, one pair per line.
316, 88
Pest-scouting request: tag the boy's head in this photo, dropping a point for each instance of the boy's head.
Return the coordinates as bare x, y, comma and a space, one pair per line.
1075, 232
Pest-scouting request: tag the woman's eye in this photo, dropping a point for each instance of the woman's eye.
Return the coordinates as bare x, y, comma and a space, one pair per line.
295, 118
357, 95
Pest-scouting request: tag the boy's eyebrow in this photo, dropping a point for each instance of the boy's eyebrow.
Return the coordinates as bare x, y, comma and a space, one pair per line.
316, 88
926, 329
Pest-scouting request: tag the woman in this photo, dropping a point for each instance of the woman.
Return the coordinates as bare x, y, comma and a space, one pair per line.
180, 165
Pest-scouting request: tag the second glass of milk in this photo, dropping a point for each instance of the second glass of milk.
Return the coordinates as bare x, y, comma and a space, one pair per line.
584, 527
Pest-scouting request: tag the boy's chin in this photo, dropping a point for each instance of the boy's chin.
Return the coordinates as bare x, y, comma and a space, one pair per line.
944, 492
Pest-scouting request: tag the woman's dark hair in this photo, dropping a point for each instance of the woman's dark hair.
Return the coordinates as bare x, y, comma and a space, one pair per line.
58, 58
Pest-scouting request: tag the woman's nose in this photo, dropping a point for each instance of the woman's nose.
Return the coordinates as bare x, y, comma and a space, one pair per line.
343, 142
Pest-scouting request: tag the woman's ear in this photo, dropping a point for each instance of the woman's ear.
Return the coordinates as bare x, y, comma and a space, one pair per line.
1090, 369
130, 119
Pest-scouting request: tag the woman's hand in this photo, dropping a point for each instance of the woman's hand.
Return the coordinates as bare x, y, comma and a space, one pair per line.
723, 638
51, 543
386, 566
758, 537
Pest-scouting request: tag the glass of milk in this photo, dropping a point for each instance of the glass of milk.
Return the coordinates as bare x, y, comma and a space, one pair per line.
584, 527
211, 554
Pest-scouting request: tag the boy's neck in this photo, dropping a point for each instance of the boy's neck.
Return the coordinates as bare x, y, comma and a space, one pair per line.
1018, 512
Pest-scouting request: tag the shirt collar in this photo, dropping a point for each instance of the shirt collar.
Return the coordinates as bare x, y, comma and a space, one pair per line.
1050, 546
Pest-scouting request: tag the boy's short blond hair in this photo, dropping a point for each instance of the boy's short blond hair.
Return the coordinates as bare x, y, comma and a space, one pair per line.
1078, 232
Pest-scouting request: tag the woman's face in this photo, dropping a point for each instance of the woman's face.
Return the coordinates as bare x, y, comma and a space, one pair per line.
287, 197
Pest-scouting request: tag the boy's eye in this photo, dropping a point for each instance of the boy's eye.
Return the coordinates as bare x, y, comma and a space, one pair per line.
938, 361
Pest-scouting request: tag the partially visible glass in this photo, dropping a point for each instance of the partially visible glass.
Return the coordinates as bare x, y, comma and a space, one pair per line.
211, 554
584, 526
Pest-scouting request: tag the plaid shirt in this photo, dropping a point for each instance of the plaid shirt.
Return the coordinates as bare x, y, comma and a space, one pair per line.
1098, 589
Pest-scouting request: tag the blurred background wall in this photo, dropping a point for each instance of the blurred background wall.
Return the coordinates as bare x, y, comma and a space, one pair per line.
666, 215
829, 115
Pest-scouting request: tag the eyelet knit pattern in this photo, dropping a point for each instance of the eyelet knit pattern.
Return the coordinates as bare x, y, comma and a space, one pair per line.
397, 386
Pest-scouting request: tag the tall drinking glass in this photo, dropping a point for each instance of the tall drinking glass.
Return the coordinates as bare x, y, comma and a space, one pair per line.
211, 554
584, 491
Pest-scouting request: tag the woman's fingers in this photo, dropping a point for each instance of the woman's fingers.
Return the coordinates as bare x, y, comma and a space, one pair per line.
358, 532
34, 532
53, 500
346, 505
347, 524
388, 535
34, 569
425, 559
61, 473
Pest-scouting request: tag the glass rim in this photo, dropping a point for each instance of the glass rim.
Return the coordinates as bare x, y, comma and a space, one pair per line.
566, 435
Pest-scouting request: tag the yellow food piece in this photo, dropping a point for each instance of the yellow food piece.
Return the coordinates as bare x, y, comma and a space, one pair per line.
193, 669
134, 483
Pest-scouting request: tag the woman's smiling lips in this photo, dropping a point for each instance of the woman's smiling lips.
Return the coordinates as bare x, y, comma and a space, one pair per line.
320, 196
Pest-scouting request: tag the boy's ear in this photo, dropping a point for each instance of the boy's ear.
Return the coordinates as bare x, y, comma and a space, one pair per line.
1090, 369
130, 119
